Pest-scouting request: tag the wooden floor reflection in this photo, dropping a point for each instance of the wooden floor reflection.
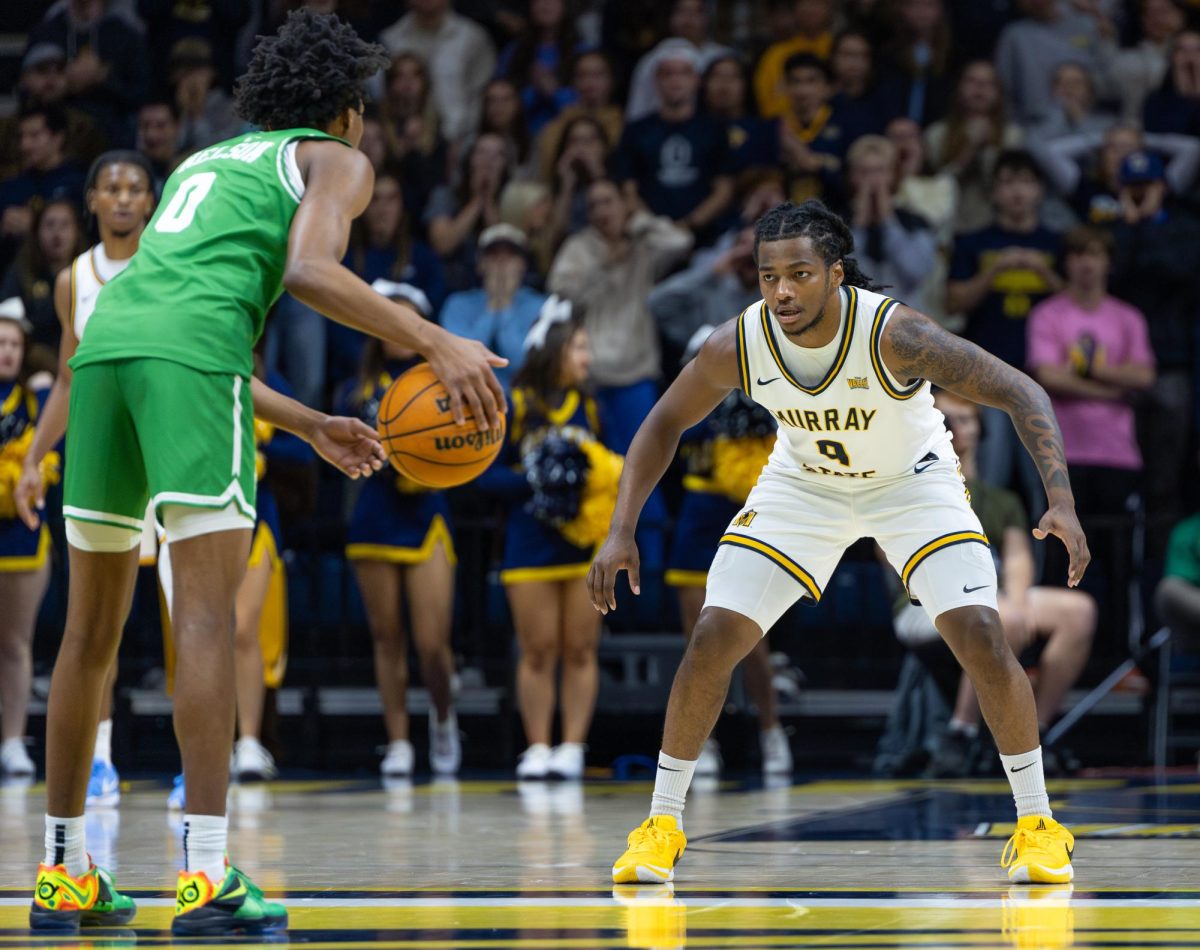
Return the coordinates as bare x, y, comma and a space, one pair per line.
485, 864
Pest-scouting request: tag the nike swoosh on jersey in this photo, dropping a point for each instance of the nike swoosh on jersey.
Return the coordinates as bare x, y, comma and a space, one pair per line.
767, 382
928, 460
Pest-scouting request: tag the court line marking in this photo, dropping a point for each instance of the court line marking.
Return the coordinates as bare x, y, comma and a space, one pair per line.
927, 903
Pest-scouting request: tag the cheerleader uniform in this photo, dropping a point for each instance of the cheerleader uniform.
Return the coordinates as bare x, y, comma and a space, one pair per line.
534, 551
704, 513
20, 548
394, 519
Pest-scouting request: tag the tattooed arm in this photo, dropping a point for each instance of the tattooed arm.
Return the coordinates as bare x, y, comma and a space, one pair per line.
914, 347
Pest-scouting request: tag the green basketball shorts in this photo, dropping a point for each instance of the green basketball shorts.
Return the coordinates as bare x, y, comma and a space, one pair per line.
151, 429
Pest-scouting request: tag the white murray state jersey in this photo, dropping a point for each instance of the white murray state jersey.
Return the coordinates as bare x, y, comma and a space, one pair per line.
90, 271
857, 422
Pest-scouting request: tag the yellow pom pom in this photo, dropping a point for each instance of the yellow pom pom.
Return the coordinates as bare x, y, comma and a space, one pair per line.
737, 464
12, 457
590, 526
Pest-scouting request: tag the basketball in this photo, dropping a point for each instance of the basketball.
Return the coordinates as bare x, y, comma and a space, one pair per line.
422, 439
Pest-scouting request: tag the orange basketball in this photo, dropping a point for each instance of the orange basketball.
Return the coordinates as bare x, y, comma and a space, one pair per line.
422, 439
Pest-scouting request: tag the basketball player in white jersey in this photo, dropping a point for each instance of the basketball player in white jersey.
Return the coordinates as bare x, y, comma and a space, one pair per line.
861, 452
120, 196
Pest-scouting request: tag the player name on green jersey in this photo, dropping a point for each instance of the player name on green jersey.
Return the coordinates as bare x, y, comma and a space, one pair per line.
211, 260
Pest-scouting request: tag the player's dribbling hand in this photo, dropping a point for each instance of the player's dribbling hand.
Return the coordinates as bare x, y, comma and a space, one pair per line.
465, 369
30, 496
349, 445
616, 554
1062, 522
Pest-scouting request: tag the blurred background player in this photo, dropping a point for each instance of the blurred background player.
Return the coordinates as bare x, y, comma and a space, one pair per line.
119, 191
543, 571
400, 544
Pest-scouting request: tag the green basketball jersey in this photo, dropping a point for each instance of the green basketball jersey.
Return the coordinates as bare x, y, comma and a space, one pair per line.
210, 262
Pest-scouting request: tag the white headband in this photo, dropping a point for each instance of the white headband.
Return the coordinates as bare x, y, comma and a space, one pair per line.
554, 310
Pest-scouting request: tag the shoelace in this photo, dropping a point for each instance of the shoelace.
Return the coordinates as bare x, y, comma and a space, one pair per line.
653, 832
1036, 839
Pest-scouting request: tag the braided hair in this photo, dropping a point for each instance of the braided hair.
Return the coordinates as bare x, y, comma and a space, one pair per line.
829, 234
306, 75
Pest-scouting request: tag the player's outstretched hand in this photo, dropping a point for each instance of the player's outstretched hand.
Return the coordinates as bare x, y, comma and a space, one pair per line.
30, 496
465, 369
616, 554
1061, 521
350, 445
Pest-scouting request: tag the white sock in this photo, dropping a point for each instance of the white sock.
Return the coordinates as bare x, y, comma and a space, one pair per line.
1024, 773
671, 784
204, 841
103, 750
65, 845
968, 729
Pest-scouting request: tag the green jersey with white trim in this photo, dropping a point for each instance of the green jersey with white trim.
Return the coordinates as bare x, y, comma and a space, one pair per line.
210, 263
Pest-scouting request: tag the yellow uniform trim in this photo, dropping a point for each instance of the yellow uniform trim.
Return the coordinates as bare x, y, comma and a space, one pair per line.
886, 305
558, 572
9, 406
31, 562
778, 557
555, 417
843, 350
742, 357
263, 546
92, 261
700, 485
945, 541
438, 533
686, 578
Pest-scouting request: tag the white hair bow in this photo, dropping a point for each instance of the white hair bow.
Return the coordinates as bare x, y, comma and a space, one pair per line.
554, 310
398, 291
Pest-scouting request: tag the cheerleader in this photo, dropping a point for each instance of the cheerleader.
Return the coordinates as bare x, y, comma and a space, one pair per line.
543, 572
24, 551
712, 497
119, 191
400, 545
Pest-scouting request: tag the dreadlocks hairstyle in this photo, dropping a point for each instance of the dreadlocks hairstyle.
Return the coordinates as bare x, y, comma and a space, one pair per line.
307, 74
829, 234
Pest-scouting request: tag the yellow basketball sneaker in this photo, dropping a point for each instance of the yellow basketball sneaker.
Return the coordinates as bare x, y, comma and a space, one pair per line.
63, 903
1039, 852
654, 847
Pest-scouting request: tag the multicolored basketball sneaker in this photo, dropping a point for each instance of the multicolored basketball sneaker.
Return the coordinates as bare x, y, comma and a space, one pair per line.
63, 903
235, 906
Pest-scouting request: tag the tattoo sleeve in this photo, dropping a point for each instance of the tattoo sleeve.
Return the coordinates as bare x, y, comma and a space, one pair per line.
916, 347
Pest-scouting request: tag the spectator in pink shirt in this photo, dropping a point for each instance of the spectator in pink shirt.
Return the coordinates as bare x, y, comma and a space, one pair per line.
1092, 353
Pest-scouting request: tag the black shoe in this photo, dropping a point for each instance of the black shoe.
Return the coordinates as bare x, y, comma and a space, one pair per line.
953, 756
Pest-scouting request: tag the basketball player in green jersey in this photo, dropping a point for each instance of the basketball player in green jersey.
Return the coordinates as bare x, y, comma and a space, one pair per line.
162, 408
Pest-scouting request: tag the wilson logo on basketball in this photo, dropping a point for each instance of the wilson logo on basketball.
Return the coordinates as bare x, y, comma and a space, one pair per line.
476, 440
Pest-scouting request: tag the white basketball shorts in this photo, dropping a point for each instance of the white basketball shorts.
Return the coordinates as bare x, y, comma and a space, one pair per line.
784, 544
